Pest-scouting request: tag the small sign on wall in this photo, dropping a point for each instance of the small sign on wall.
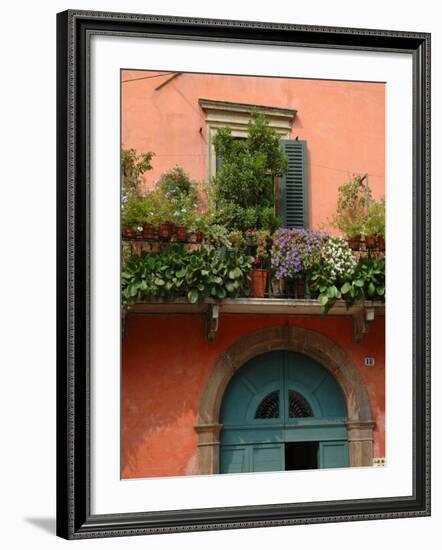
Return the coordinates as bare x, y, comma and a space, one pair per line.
369, 361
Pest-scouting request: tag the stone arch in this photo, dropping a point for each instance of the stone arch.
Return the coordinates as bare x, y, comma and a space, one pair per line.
291, 338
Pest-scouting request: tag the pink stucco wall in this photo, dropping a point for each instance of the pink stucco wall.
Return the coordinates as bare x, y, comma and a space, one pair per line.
166, 359
166, 362
342, 122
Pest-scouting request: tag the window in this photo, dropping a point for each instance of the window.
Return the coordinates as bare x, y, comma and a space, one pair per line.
237, 116
298, 406
291, 189
269, 406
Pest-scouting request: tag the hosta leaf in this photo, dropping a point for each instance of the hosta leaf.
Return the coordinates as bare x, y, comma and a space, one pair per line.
345, 288
235, 273
192, 296
221, 293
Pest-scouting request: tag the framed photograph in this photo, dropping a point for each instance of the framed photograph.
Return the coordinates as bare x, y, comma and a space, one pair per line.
243, 274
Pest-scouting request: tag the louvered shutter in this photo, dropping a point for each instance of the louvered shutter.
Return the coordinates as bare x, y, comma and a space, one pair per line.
294, 200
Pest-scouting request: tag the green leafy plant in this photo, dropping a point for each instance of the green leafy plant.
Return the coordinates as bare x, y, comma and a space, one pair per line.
375, 223
334, 265
217, 236
196, 275
354, 199
133, 212
178, 198
133, 166
368, 281
133, 205
249, 165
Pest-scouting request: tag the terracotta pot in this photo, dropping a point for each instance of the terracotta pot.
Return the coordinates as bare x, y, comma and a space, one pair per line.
381, 243
370, 241
278, 287
129, 232
165, 231
354, 242
149, 231
258, 283
299, 288
181, 232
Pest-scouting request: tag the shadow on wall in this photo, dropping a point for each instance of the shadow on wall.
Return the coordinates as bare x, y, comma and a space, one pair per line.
160, 396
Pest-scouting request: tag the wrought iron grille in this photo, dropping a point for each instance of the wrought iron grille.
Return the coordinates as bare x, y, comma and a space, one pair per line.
269, 406
298, 406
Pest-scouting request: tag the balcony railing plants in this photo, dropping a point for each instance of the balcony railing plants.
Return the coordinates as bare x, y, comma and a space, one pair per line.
179, 243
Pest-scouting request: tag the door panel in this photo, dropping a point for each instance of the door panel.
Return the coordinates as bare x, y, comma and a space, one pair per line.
234, 460
333, 454
267, 458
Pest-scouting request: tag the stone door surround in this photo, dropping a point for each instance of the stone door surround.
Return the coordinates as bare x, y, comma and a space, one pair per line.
317, 346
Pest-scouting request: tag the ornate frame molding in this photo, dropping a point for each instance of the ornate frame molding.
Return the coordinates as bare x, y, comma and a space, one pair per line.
75, 29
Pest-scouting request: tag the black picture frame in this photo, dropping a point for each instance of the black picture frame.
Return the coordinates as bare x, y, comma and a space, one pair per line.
74, 518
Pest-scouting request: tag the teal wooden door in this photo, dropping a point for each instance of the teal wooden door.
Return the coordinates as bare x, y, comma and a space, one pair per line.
278, 399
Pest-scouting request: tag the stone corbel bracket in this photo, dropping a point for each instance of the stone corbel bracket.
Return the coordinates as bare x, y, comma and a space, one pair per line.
212, 322
361, 317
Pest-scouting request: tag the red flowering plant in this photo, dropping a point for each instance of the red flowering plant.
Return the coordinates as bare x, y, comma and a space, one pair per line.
262, 241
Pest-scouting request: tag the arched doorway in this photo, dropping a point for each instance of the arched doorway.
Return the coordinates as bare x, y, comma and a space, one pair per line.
312, 344
282, 411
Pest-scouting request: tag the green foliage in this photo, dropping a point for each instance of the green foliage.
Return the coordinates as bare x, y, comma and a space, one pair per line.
353, 202
375, 222
217, 235
132, 214
133, 166
368, 281
197, 275
249, 165
177, 197
365, 282
237, 218
134, 208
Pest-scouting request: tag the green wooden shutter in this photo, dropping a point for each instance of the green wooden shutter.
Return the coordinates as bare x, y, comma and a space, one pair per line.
294, 200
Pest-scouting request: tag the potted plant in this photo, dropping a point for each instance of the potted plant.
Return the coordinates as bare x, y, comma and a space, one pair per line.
376, 225
150, 216
355, 232
354, 199
293, 253
164, 218
259, 273
181, 196
132, 214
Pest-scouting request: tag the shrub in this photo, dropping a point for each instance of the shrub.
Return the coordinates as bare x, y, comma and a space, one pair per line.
249, 165
197, 275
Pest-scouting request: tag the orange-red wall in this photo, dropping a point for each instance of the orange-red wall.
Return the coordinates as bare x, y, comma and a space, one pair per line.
166, 361
343, 123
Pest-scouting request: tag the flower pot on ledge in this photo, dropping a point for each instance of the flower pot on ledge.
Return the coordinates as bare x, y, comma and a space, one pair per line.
370, 242
129, 232
299, 288
181, 232
354, 242
165, 231
258, 282
149, 231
